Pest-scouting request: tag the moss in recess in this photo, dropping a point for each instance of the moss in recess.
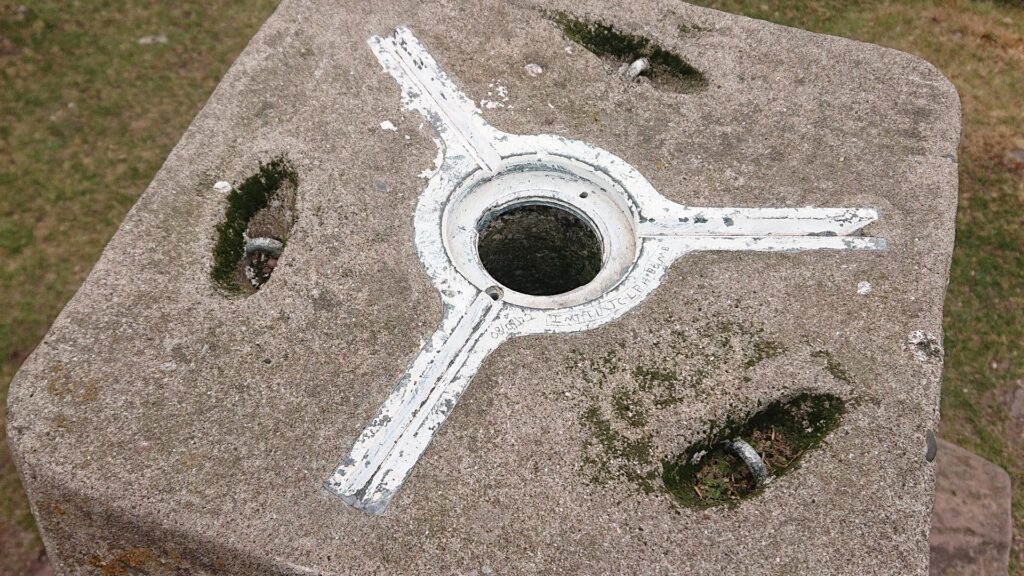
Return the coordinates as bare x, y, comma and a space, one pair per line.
667, 71
244, 201
706, 475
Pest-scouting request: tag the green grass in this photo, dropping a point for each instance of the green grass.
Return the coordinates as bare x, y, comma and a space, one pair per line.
87, 115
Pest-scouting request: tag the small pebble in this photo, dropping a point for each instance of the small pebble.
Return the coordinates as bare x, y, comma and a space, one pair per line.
157, 39
863, 288
533, 70
222, 187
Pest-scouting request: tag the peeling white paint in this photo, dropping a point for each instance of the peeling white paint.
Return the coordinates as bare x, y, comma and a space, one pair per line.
499, 93
480, 169
924, 346
438, 160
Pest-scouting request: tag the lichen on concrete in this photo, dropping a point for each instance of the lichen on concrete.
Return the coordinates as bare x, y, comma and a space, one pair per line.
833, 365
626, 398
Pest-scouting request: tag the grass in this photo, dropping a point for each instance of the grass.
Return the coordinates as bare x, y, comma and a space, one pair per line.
87, 115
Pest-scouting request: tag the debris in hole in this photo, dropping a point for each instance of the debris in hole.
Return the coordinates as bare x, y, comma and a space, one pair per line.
257, 222
665, 69
863, 288
533, 70
720, 469
258, 267
539, 250
261, 256
634, 70
924, 346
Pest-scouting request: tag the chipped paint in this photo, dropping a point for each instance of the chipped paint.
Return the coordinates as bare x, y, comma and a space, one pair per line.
924, 346
481, 170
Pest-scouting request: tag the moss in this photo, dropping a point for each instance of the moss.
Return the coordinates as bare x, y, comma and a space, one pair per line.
663, 386
619, 456
763, 349
667, 71
244, 201
649, 378
623, 399
629, 407
707, 475
833, 365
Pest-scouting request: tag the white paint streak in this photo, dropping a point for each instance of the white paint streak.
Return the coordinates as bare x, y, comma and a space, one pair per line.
427, 89
479, 169
391, 444
387, 125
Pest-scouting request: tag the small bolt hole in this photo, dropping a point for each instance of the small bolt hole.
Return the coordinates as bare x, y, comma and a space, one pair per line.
495, 293
584, 194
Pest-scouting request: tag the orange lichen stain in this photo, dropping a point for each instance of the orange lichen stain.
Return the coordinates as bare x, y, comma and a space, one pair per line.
62, 386
61, 422
58, 509
125, 562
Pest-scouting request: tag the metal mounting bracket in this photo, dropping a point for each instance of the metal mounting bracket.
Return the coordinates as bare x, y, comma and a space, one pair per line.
484, 170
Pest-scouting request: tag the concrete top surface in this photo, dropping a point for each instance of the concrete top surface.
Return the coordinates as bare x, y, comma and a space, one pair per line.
164, 425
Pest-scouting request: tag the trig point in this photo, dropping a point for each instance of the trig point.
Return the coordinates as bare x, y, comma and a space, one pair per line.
514, 289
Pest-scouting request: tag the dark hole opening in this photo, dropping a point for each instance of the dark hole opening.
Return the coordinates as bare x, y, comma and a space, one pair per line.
667, 69
539, 250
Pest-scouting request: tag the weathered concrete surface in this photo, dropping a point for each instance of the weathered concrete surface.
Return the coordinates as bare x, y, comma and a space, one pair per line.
972, 526
162, 426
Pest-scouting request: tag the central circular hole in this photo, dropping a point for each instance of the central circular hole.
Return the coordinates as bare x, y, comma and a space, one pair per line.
539, 250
